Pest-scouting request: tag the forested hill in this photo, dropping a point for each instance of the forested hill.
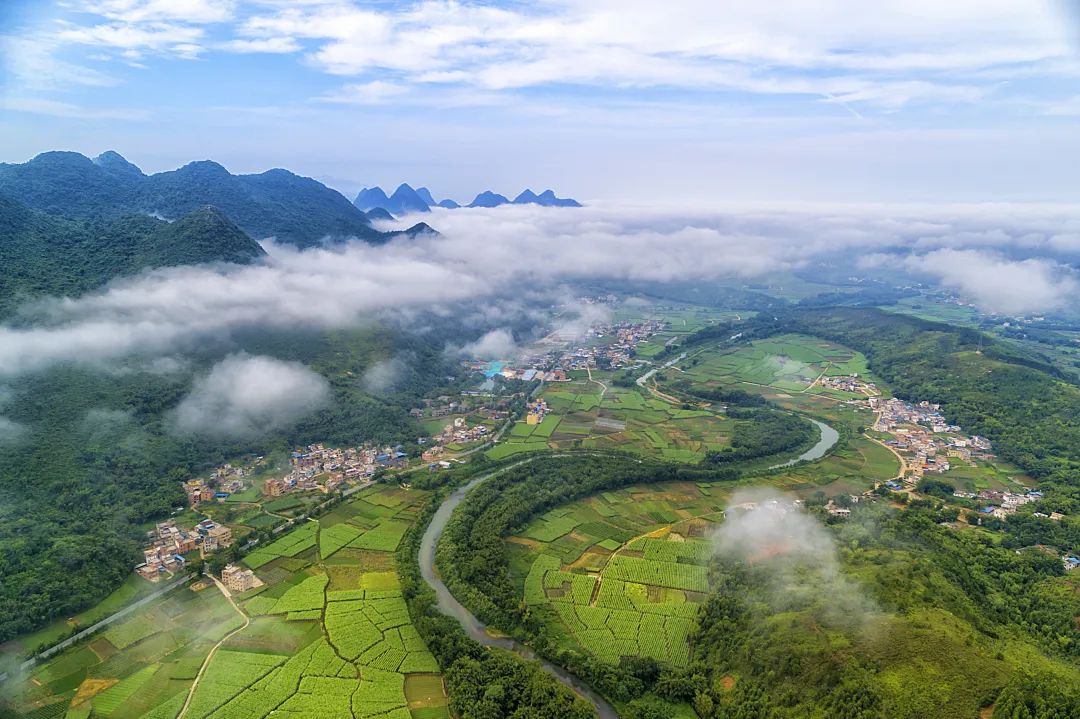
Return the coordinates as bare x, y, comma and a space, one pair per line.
1029, 411
276, 203
99, 453
46, 255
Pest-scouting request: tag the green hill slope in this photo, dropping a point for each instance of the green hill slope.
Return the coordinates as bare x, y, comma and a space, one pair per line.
46, 255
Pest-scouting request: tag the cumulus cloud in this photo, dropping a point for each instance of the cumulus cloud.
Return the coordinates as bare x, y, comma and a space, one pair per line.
998, 284
486, 256
244, 396
796, 554
496, 344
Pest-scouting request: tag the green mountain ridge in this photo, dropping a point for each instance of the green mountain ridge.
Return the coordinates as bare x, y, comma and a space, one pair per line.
275, 203
46, 255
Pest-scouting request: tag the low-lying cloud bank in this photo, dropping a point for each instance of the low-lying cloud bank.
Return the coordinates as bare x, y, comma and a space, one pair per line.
798, 557
1014, 260
244, 396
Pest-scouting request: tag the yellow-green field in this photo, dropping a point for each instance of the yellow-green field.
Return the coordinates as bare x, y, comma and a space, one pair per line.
621, 573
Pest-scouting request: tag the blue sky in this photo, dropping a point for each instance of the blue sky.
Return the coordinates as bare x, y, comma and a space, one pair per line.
686, 100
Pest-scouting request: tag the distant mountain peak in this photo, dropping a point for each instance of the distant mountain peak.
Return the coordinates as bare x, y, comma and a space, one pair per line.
487, 198
420, 228
527, 197
206, 168
207, 232
425, 195
449, 204
370, 197
547, 198
113, 161
406, 200
379, 213
61, 158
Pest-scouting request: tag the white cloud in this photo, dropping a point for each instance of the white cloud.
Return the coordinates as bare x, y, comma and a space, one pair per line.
383, 376
190, 11
496, 344
885, 53
152, 36
795, 554
484, 254
272, 45
998, 284
376, 92
244, 396
31, 62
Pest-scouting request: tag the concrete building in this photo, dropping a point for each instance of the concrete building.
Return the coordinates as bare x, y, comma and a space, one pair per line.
238, 579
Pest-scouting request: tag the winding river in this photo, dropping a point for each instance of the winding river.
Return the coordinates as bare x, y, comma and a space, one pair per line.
474, 627
478, 630
829, 437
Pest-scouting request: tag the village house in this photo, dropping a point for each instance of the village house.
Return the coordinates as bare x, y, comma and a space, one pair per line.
215, 537
238, 579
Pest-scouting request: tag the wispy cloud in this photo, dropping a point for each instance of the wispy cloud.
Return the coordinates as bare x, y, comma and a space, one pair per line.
57, 108
376, 92
886, 53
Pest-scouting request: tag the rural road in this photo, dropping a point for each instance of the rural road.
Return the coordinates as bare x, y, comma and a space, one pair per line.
213, 651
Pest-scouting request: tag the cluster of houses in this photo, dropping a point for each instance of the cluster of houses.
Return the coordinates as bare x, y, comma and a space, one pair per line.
200, 491
925, 439
167, 544
849, 383
609, 346
222, 482
1002, 504
533, 371
324, 469
456, 432
537, 411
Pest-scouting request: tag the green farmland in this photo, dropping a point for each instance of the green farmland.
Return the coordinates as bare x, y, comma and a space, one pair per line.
621, 573
588, 414
328, 634
785, 364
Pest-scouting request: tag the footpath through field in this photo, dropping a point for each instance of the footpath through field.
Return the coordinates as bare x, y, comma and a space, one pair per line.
213, 651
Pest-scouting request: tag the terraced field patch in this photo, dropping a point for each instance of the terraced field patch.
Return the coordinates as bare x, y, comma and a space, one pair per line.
628, 577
